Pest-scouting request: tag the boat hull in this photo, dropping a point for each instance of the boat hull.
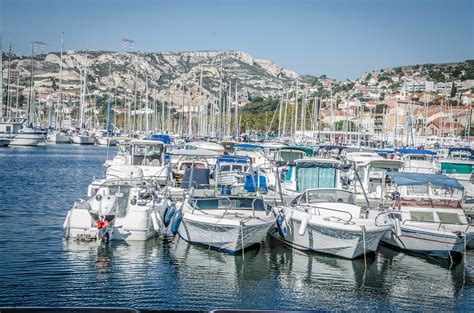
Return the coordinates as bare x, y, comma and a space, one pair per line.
337, 241
83, 140
432, 243
226, 238
107, 141
59, 138
29, 139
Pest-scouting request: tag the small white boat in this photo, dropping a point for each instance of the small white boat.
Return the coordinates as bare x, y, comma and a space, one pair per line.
427, 217
229, 224
83, 139
118, 210
326, 219
29, 136
107, 141
59, 137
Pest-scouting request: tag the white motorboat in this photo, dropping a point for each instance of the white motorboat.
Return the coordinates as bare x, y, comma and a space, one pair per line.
83, 139
417, 161
30, 136
107, 141
59, 136
427, 217
229, 224
372, 170
130, 210
255, 152
147, 155
326, 219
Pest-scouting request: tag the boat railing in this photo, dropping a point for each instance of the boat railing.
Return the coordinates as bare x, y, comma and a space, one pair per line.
378, 216
308, 208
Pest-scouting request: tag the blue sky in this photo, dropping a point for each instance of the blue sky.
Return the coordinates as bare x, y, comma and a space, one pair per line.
339, 38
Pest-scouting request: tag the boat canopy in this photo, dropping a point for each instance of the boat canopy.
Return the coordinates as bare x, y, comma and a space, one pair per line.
308, 151
418, 179
323, 163
234, 159
165, 138
197, 153
415, 151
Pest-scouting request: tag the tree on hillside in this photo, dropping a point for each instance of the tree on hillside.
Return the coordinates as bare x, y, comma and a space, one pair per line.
453, 90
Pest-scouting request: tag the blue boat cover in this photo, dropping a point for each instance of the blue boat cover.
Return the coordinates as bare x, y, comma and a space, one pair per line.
235, 159
415, 151
383, 150
161, 137
247, 146
251, 180
417, 179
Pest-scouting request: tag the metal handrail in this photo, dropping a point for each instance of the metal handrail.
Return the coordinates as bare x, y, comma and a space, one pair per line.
335, 210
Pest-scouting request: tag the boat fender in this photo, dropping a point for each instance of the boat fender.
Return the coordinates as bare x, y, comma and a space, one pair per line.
169, 212
281, 225
178, 216
288, 216
156, 225
303, 226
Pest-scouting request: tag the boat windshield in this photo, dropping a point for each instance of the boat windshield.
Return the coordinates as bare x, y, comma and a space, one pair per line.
328, 195
230, 203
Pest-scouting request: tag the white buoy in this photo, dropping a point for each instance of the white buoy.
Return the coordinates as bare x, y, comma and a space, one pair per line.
303, 226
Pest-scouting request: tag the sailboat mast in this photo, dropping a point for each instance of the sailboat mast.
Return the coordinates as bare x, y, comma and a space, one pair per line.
60, 110
29, 120
236, 113
8, 79
109, 103
296, 109
147, 123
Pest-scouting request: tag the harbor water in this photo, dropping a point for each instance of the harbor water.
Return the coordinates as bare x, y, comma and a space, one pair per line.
39, 268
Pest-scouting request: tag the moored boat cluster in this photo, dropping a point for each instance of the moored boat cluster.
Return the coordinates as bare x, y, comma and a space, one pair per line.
230, 196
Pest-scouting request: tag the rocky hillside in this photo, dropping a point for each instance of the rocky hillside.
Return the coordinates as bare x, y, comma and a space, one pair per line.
165, 72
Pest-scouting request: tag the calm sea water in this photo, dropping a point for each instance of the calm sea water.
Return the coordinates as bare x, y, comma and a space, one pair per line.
38, 268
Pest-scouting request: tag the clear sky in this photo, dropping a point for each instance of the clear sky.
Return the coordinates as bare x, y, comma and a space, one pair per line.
339, 38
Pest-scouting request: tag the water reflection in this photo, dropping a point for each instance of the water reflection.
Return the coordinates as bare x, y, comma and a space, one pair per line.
274, 276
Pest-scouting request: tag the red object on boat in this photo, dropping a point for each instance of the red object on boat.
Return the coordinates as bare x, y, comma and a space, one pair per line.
101, 224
